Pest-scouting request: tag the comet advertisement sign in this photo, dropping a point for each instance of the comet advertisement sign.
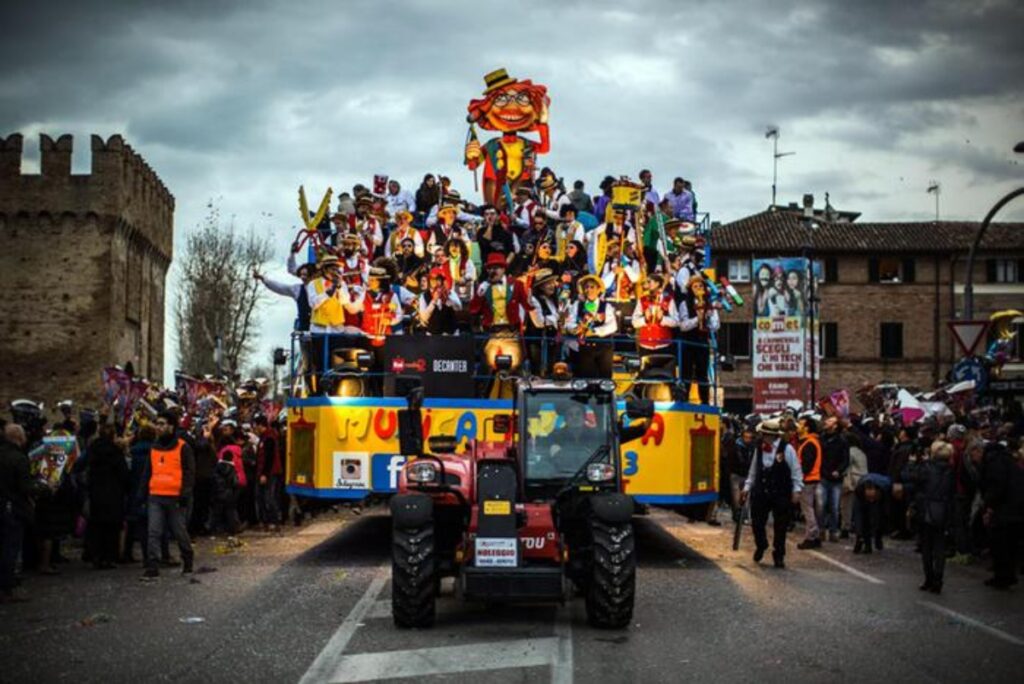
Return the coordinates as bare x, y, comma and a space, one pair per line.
444, 364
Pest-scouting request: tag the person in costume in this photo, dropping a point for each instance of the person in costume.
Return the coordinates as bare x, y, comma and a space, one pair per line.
501, 304
511, 107
410, 266
326, 293
698, 320
438, 305
494, 235
591, 323
617, 230
655, 317
403, 229
773, 486
461, 269
379, 307
523, 209
368, 226
653, 249
542, 322
567, 230
574, 267
551, 195
452, 199
621, 273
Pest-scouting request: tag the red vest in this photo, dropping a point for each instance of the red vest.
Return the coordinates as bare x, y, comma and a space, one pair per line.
655, 335
377, 317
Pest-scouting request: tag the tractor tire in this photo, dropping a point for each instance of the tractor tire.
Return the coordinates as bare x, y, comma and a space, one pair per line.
612, 582
413, 576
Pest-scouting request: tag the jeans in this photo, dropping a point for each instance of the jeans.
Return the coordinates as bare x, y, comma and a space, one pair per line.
165, 512
810, 507
11, 531
830, 494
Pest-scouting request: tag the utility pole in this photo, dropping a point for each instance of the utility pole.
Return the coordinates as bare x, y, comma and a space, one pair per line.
808, 221
935, 188
773, 133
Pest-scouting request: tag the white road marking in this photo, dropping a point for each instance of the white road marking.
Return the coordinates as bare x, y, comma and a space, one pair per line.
561, 667
998, 633
422, 662
843, 566
326, 662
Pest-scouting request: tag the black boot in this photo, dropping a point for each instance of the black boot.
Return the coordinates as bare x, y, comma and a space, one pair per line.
858, 546
867, 544
778, 558
186, 564
758, 554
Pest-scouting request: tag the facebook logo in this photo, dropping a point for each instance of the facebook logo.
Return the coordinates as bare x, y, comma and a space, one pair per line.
386, 468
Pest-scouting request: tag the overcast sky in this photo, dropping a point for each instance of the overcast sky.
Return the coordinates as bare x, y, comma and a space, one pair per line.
242, 102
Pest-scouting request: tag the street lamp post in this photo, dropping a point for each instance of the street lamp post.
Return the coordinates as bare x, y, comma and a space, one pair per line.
969, 280
808, 221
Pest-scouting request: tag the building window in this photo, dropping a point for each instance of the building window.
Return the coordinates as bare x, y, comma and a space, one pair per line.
1004, 270
890, 270
828, 341
734, 339
830, 272
739, 270
892, 341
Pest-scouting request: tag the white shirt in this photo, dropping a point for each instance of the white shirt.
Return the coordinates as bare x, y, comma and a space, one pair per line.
400, 201
796, 474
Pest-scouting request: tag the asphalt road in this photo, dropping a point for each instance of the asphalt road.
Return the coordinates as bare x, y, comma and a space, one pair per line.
312, 605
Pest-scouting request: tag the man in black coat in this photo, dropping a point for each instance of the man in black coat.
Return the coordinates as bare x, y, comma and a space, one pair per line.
1002, 490
16, 506
934, 486
835, 461
107, 476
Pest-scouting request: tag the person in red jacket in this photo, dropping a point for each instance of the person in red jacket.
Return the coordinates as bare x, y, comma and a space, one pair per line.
502, 305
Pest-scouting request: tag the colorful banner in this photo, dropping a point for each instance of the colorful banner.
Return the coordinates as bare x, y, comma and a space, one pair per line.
781, 339
51, 459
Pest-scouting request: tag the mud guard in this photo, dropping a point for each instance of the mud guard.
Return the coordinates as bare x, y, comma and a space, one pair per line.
612, 508
409, 511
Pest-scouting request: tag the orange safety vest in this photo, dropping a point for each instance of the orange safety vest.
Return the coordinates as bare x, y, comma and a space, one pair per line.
165, 469
815, 474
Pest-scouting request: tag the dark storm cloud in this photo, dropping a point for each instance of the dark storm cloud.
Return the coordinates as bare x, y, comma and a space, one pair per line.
247, 100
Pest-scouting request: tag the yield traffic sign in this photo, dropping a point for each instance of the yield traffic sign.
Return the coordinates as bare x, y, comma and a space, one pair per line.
968, 334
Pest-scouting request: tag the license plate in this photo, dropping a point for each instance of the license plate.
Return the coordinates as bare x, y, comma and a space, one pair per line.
497, 507
496, 552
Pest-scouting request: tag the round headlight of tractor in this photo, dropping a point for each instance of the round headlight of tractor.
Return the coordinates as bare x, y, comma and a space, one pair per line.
600, 472
579, 385
607, 385
422, 472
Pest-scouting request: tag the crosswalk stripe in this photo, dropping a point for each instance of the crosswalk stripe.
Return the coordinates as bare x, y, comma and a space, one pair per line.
325, 663
423, 662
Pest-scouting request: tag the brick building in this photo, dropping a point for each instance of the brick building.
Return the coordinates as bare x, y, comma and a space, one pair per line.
886, 294
82, 269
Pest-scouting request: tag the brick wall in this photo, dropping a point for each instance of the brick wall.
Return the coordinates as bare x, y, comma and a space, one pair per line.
82, 270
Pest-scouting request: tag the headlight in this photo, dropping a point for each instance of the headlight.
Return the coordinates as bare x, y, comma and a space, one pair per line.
579, 385
607, 385
600, 472
422, 472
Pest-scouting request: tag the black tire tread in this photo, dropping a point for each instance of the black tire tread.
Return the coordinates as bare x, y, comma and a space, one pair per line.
612, 586
413, 574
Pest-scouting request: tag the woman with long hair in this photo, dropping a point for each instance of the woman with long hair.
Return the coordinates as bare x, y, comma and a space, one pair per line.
428, 195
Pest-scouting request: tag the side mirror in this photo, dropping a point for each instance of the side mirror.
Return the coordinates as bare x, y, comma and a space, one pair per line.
410, 432
639, 409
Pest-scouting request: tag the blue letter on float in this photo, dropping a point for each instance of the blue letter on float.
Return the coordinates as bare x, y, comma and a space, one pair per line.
466, 428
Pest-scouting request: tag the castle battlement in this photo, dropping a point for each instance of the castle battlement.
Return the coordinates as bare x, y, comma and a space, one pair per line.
121, 184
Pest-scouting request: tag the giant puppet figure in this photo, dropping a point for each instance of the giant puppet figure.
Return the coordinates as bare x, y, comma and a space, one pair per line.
512, 107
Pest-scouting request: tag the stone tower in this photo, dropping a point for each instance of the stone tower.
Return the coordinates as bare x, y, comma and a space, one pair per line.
82, 269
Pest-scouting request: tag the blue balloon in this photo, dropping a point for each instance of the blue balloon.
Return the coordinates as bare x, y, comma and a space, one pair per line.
588, 220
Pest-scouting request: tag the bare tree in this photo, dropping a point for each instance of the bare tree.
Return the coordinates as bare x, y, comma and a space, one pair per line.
218, 297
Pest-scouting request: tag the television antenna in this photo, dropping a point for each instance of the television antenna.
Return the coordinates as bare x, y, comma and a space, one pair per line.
773, 133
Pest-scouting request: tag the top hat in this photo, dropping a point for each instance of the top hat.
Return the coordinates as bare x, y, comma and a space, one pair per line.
496, 259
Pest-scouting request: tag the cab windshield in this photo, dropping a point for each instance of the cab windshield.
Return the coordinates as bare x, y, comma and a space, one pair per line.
562, 431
